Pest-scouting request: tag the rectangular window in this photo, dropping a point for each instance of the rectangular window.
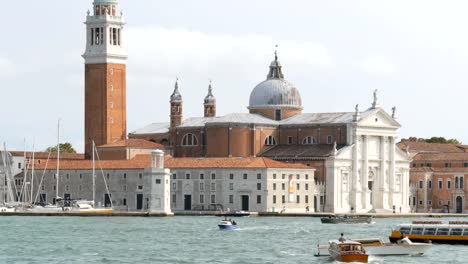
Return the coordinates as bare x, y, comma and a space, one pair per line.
213, 176
202, 176
274, 176
213, 186
43, 188
158, 181
283, 186
140, 187
290, 140
55, 187
440, 202
202, 186
140, 176
259, 199
306, 186
231, 186
274, 199
283, 199
274, 186
174, 186
67, 188
329, 139
101, 37
114, 36
259, 186
283, 176
298, 199
231, 176
465, 164
174, 176
173, 198
213, 198
19, 165
124, 188
448, 165
420, 202
125, 175
449, 184
420, 184
245, 176
429, 202
307, 199
187, 176
259, 176
278, 114
231, 199
202, 198
298, 176
298, 186
440, 184
92, 37
429, 165
430, 184
124, 201
307, 176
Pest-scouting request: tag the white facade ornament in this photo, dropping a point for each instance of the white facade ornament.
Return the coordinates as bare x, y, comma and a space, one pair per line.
334, 151
375, 103
356, 113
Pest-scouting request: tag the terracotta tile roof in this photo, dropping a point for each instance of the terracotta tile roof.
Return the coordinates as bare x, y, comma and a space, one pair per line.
138, 162
144, 161
417, 146
441, 156
134, 143
174, 163
44, 155
300, 151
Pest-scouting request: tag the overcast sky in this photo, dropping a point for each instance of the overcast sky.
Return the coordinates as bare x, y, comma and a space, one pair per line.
335, 52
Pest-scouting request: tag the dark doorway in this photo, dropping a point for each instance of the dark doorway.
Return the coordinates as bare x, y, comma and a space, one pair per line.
139, 202
107, 200
187, 202
43, 198
245, 202
459, 205
66, 199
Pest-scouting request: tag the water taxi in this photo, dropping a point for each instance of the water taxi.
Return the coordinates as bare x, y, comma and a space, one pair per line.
453, 232
347, 251
227, 224
377, 247
346, 219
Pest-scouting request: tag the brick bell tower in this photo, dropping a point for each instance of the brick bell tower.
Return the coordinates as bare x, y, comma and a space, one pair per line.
105, 76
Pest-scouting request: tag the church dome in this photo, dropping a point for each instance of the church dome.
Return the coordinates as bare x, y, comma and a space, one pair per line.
275, 91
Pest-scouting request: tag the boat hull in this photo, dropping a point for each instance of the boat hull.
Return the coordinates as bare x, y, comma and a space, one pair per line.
228, 227
385, 250
351, 220
362, 258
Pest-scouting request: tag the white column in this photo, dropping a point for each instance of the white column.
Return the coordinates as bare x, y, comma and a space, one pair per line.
365, 172
391, 172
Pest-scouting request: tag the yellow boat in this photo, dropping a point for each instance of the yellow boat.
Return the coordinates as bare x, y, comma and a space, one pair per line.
453, 232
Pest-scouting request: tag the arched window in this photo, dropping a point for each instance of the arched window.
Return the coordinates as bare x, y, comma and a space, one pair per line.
456, 182
270, 141
189, 140
461, 183
309, 140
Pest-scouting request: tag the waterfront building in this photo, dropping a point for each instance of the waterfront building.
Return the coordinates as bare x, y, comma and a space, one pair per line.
437, 176
354, 153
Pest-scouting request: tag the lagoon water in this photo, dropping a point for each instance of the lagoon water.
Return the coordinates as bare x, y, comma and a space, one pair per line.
194, 239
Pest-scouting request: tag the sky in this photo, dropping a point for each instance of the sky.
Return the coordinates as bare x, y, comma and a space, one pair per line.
336, 52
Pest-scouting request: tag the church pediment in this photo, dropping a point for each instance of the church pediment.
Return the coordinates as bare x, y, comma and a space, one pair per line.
377, 118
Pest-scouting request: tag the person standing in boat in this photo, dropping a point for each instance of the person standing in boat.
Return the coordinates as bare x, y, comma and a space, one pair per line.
342, 239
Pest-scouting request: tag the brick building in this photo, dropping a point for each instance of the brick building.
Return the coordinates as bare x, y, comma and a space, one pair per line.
437, 176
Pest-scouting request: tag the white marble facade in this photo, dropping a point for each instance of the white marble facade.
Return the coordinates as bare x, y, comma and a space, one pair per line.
370, 174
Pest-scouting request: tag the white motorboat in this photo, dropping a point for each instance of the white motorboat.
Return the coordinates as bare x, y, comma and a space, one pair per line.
377, 247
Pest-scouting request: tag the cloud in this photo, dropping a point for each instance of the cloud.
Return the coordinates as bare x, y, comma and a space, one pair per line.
379, 64
6, 66
180, 50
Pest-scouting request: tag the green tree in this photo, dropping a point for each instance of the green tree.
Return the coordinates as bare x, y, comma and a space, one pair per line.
64, 148
442, 140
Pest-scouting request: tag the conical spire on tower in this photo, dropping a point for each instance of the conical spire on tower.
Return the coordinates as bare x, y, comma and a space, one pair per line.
176, 96
210, 103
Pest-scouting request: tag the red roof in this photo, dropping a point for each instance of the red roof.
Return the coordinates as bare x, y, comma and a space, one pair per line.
44, 155
144, 161
418, 146
133, 143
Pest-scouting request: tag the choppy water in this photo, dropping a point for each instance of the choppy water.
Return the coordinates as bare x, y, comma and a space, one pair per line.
189, 240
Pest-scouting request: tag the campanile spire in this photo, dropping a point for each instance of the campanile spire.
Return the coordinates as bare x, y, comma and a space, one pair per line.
105, 59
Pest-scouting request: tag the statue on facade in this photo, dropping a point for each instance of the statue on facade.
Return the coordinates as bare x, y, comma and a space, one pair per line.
393, 111
375, 103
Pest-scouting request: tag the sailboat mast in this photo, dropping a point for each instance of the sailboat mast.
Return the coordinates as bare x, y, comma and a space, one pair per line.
58, 160
94, 176
32, 173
